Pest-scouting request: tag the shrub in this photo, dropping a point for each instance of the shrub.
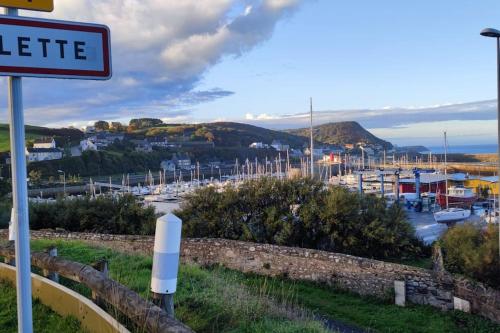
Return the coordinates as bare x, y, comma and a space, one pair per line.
301, 213
473, 252
122, 215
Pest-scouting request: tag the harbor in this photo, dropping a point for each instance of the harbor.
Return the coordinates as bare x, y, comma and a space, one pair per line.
423, 192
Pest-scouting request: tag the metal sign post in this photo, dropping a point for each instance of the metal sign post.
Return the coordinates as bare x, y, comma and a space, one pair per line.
20, 201
48, 49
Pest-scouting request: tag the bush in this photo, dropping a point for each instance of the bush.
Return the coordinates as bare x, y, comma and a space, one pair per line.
301, 213
122, 215
473, 252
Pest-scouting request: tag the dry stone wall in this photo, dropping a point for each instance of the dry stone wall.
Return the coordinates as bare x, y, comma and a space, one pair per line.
360, 275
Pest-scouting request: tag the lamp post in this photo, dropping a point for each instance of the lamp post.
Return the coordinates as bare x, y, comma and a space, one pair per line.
64, 181
494, 33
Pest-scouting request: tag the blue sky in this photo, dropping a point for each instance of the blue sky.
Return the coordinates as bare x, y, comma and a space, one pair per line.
259, 61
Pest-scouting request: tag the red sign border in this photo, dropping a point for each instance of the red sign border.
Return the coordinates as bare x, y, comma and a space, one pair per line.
103, 30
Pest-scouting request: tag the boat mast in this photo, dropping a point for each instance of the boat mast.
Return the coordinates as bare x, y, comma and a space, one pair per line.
312, 142
446, 167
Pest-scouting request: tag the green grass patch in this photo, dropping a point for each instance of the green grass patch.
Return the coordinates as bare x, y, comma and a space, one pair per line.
425, 263
44, 319
372, 313
220, 300
206, 300
5, 137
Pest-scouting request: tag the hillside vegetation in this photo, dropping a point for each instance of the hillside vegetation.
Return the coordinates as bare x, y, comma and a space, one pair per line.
224, 134
347, 132
62, 136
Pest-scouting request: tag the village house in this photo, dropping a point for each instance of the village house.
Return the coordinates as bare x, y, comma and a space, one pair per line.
142, 146
158, 141
182, 162
43, 154
88, 129
44, 149
276, 144
44, 143
87, 144
101, 140
258, 145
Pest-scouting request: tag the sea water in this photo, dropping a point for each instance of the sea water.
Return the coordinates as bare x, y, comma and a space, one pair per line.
466, 149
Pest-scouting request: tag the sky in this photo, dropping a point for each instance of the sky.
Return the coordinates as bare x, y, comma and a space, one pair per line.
406, 70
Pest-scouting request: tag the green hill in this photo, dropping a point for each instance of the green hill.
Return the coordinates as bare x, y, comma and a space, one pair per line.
223, 134
347, 132
61, 135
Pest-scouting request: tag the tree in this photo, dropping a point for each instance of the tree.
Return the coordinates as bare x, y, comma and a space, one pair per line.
209, 136
117, 127
123, 215
471, 251
101, 125
303, 213
35, 176
141, 123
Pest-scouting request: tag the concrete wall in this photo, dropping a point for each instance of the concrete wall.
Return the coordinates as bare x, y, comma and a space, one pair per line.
360, 275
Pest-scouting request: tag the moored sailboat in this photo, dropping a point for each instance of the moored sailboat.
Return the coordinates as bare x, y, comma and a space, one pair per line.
455, 214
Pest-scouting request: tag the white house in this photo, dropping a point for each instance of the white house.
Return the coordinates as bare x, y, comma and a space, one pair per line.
142, 146
87, 144
44, 143
43, 154
182, 162
276, 144
259, 145
89, 129
158, 141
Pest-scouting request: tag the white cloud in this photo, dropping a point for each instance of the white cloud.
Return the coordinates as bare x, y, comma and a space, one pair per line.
161, 49
262, 116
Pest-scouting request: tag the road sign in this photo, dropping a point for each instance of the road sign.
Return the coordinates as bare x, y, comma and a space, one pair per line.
40, 5
40, 48
54, 49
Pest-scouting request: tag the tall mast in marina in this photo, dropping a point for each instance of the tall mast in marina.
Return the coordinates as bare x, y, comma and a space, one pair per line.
312, 142
446, 167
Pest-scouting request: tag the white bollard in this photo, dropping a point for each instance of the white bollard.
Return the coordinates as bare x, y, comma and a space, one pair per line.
166, 260
12, 226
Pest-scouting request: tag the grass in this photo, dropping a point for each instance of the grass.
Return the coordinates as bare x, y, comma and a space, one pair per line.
220, 300
5, 137
206, 300
417, 262
375, 314
44, 319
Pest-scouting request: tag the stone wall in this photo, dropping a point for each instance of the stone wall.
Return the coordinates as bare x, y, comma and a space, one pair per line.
360, 275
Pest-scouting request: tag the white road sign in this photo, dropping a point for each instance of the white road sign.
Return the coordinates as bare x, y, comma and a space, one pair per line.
54, 49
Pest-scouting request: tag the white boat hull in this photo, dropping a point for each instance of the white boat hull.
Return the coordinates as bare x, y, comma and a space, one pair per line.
451, 215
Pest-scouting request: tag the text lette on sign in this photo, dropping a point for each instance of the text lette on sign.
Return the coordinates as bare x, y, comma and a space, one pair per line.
54, 49
45, 47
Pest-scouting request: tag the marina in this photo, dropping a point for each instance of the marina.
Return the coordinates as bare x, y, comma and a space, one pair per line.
422, 192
